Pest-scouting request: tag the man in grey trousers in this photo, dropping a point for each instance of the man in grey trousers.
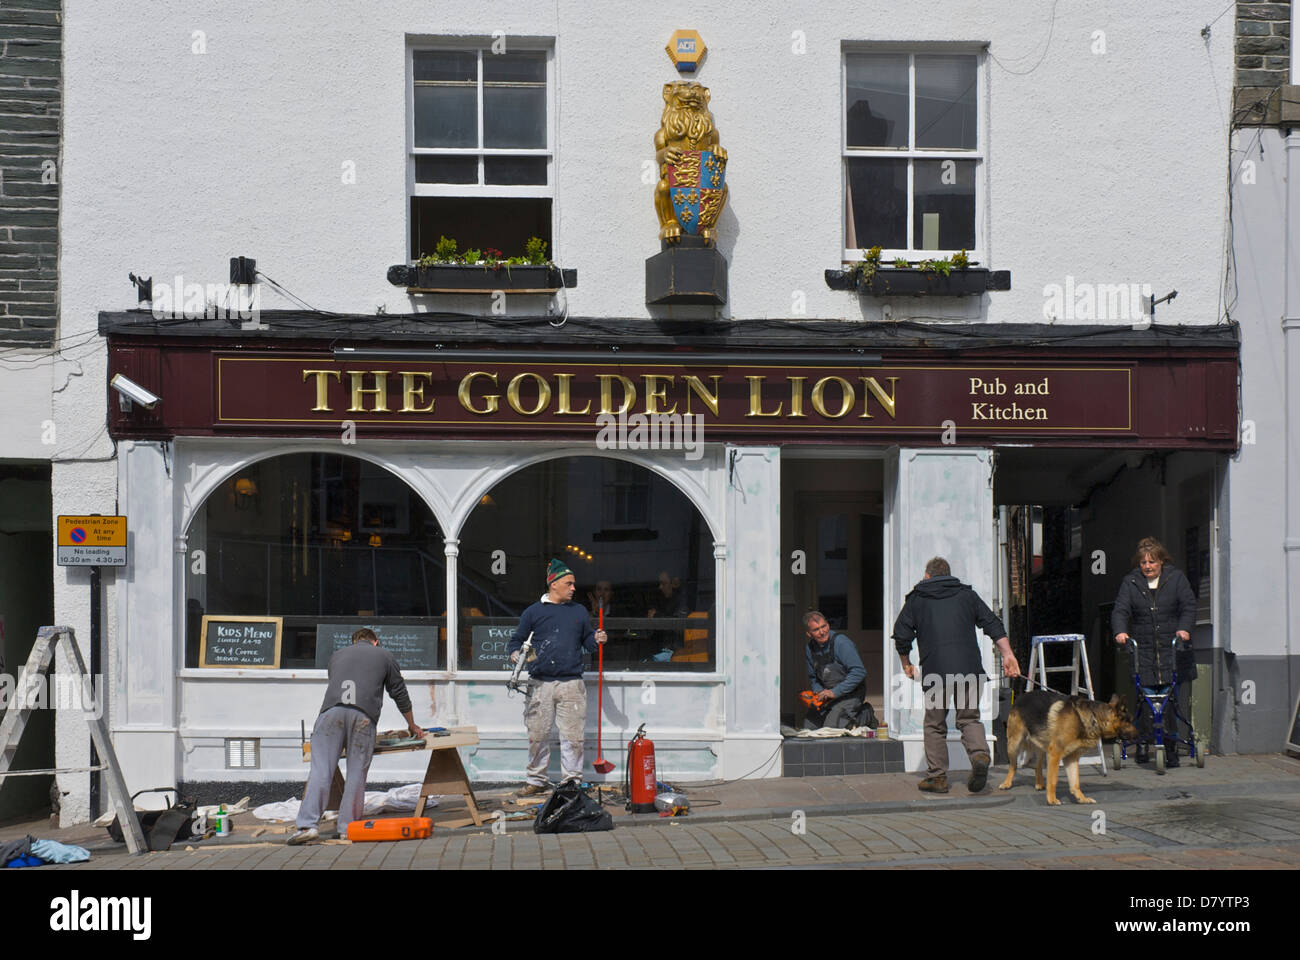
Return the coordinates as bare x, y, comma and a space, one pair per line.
940, 614
349, 714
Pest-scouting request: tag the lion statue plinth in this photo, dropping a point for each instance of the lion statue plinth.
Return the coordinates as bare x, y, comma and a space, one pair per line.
692, 186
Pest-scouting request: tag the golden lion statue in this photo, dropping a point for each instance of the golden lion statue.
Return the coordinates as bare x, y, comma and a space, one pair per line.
697, 202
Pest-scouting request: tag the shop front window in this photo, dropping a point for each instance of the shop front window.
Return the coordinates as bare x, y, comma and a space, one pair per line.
327, 543
637, 546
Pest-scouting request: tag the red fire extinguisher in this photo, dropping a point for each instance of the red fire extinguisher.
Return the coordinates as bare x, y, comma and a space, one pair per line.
641, 773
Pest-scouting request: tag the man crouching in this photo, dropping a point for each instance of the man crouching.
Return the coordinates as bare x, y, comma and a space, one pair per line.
838, 678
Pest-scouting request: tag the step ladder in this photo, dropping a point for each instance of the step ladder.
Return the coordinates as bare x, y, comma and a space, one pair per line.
1038, 671
14, 722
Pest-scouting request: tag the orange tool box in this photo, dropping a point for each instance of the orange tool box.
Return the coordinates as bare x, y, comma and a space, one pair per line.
394, 828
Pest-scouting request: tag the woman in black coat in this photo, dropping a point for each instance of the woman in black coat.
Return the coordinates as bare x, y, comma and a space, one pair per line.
1154, 605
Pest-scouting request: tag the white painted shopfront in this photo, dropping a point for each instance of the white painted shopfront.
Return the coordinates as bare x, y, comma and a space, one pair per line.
173, 720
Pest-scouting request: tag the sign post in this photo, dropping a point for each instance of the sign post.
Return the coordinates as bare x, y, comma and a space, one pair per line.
93, 541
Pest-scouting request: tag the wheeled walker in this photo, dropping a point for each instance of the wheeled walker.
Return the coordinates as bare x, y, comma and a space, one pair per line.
1156, 700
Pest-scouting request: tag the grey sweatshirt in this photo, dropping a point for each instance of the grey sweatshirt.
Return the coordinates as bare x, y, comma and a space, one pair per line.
372, 670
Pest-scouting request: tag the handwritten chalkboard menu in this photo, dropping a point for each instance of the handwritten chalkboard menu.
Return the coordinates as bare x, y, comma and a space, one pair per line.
241, 642
489, 651
413, 646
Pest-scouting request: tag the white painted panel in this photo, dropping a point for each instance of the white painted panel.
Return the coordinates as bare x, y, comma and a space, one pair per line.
940, 503
682, 716
146, 662
752, 626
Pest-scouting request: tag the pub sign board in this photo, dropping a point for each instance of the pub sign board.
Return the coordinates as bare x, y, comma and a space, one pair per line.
576, 397
242, 643
1139, 397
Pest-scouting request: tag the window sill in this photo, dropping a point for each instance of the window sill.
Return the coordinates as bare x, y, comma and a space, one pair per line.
474, 278
913, 282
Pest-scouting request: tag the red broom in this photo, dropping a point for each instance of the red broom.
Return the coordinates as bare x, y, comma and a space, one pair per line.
601, 765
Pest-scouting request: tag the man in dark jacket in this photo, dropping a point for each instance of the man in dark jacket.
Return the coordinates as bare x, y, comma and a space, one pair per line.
349, 716
838, 678
1155, 605
941, 614
561, 631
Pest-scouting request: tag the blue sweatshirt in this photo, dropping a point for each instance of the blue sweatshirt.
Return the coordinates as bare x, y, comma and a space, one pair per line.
561, 631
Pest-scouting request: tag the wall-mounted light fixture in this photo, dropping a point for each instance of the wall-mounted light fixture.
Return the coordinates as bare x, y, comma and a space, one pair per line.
245, 493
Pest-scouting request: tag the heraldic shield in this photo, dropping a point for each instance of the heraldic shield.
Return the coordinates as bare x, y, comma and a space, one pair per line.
695, 185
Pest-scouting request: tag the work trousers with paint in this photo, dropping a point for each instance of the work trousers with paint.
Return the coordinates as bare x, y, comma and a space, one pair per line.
968, 722
336, 728
837, 717
561, 703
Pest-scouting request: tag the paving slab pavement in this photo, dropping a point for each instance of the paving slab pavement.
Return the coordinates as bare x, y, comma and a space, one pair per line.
1188, 797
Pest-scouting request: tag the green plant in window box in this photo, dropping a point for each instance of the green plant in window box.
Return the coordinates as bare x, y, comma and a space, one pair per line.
961, 260
535, 251
901, 263
471, 257
942, 267
865, 269
445, 251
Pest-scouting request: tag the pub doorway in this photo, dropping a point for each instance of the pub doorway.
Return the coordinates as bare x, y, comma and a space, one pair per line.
832, 562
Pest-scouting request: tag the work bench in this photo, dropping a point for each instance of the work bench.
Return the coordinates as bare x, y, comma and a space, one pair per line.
444, 776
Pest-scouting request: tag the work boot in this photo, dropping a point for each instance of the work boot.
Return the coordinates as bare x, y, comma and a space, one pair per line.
534, 789
936, 784
979, 772
1143, 753
305, 835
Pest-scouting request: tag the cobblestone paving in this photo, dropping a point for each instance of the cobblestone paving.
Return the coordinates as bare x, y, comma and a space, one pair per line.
1177, 833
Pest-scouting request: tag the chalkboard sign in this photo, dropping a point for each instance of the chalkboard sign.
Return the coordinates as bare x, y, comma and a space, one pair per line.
413, 646
1294, 742
241, 642
489, 651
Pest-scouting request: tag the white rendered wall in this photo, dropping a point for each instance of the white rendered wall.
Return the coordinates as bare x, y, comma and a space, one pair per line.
1263, 616
175, 161
27, 378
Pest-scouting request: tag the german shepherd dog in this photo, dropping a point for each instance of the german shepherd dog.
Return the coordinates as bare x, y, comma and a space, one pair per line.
1062, 728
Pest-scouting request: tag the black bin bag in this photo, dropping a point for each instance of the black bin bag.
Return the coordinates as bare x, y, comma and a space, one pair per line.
569, 810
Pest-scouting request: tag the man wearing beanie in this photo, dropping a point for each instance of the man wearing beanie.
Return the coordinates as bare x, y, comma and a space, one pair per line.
561, 631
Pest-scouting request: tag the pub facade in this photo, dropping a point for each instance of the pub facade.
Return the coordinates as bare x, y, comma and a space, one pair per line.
842, 313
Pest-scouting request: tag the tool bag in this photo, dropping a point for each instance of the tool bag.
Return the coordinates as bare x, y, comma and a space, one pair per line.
866, 716
569, 810
161, 828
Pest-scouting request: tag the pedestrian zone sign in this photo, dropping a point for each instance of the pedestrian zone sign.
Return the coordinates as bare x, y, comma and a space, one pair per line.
92, 541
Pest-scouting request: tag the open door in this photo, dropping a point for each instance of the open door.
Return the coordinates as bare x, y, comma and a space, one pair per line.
844, 575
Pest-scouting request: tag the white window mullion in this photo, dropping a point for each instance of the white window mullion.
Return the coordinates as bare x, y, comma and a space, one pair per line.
909, 241
410, 124
482, 162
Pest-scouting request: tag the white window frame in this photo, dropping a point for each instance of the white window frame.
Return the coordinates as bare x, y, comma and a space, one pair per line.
911, 153
484, 48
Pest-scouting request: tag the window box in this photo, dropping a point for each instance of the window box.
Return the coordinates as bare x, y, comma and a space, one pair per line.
475, 278
915, 282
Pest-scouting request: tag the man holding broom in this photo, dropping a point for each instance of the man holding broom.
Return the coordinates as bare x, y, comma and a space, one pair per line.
561, 631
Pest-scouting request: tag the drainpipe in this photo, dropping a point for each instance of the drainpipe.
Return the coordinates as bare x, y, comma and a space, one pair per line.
1291, 351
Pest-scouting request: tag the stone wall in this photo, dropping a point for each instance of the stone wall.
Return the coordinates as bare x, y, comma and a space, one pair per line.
31, 107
